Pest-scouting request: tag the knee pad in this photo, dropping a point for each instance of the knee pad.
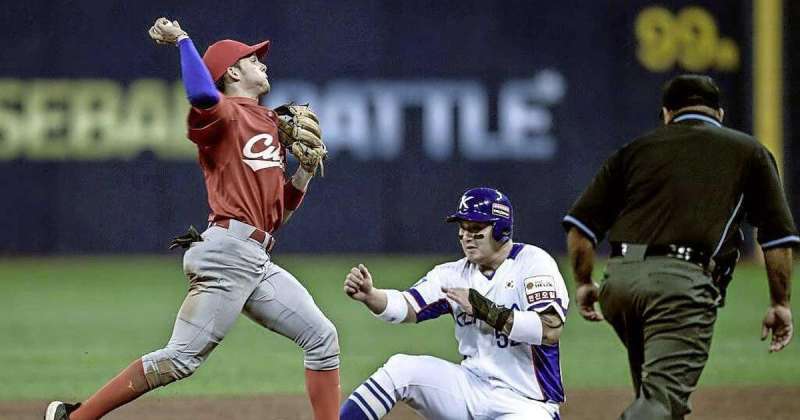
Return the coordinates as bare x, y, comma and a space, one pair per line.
165, 366
322, 351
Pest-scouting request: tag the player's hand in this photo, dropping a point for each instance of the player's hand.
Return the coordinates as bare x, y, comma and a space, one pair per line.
165, 31
358, 283
778, 320
461, 297
586, 296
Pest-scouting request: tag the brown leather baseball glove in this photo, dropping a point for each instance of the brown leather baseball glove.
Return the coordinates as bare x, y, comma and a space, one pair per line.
299, 131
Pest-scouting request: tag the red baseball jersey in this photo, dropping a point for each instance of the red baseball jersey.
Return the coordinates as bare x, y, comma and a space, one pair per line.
243, 162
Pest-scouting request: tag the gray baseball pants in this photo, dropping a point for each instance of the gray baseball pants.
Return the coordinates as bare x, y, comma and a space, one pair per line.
230, 273
663, 310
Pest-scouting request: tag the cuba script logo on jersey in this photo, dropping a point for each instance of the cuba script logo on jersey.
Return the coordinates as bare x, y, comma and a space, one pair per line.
540, 288
260, 153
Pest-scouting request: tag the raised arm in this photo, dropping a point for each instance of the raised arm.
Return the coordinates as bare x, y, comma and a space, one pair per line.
200, 89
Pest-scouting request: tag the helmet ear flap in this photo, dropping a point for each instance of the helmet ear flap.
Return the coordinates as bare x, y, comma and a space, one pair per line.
506, 234
502, 230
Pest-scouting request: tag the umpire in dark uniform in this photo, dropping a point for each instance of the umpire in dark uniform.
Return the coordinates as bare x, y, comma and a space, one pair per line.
672, 202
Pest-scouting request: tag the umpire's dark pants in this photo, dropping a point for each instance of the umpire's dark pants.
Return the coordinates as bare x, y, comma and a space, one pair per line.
663, 310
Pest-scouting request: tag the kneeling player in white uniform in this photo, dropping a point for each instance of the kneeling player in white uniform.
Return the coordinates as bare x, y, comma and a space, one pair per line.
508, 301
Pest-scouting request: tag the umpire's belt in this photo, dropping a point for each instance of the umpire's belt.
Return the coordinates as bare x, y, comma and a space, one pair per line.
679, 252
245, 231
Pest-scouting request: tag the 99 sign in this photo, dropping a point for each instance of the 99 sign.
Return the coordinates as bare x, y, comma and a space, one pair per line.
689, 39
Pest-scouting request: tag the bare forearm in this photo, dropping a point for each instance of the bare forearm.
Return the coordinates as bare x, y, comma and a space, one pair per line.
376, 301
778, 263
581, 256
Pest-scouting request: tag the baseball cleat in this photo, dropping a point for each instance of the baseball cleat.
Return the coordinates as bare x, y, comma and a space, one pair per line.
58, 410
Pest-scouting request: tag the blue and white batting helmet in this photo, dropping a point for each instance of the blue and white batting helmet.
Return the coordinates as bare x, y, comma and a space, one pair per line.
487, 205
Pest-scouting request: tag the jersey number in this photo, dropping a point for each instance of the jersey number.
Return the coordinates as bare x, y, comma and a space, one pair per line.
502, 340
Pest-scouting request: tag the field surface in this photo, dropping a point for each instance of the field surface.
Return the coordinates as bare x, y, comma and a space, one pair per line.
69, 324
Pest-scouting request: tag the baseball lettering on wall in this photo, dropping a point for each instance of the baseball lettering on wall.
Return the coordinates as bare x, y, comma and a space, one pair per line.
103, 119
689, 39
92, 119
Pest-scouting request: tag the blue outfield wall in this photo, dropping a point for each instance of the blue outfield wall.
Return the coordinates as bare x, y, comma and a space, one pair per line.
418, 100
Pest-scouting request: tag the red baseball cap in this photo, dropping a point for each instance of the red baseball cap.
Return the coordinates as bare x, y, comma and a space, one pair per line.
223, 54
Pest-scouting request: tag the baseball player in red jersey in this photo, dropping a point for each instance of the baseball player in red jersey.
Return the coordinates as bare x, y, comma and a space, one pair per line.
229, 269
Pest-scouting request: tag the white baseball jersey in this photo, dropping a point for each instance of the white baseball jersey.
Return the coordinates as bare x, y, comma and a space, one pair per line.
528, 280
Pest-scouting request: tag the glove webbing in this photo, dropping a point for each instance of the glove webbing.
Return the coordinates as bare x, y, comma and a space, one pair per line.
488, 311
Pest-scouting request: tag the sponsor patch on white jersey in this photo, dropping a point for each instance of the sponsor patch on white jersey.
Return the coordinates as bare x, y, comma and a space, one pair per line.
540, 288
501, 210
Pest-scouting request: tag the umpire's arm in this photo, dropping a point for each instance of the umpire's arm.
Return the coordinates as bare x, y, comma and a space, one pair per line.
767, 209
581, 258
586, 223
778, 320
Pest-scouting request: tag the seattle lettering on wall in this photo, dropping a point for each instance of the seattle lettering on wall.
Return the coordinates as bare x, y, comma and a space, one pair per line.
102, 119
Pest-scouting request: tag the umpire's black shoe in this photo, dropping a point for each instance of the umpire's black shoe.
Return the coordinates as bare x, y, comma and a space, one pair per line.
58, 410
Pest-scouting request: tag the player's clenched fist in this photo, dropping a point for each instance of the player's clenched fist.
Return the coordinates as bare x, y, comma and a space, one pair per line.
165, 31
358, 283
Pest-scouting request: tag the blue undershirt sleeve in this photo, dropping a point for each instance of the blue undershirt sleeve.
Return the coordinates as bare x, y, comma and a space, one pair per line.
197, 80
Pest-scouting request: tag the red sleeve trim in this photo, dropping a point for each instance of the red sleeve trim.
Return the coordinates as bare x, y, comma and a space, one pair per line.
292, 197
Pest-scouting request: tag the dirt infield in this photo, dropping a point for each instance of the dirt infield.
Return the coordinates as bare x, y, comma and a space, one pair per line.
720, 403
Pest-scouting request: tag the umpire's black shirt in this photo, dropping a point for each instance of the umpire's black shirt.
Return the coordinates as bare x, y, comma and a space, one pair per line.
691, 182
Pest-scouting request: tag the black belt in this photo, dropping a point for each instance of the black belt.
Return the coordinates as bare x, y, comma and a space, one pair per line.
679, 252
